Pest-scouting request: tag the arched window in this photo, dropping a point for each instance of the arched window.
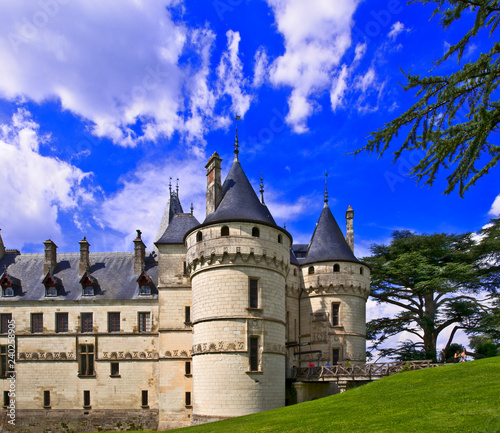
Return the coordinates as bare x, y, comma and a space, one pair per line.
311, 270
336, 267
255, 232
224, 231
8, 291
361, 271
199, 237
280, 239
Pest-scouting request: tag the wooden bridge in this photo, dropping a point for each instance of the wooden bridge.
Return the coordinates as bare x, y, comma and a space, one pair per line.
355, 372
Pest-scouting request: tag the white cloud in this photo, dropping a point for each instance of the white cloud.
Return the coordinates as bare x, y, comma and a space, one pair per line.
35, 188
396, 29
363, 82
495, 207
317, 34
230, 76
260, 71
339, 87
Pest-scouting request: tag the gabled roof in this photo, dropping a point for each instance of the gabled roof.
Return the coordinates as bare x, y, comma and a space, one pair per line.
328, 242
239, 200
178, 227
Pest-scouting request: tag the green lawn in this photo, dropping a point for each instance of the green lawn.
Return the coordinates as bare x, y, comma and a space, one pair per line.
453, 398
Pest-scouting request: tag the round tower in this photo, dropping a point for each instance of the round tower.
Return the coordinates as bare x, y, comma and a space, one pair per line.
237, 259
336, 287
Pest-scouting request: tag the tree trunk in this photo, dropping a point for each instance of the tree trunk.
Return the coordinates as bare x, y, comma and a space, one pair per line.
428, 326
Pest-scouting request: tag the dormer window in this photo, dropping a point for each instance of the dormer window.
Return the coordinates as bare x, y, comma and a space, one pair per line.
50, 285
145, 284
255, 232
87, 282
7, 286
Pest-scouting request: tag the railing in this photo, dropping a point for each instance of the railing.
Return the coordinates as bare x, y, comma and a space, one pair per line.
359, 371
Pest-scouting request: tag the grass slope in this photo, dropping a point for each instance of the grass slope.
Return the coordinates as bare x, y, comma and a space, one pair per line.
461, 398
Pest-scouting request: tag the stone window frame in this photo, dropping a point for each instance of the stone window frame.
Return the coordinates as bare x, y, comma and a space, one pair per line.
86, 399
310, 270
338, 356
62, 323
254, 294
361, 270
144, 399
188, 370
46, 399
199, 236
223, 232
114, 322
254, 357
187, 315
36, 323
336, 314
86, 360
6, 399
255, 232
4, 366
85, 326
144, 322
4, 322
336, 268
188, 399
114, 369
280, 239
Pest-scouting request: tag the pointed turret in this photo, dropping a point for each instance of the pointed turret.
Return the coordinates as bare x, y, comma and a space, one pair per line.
239, 200
328, 242
173, 207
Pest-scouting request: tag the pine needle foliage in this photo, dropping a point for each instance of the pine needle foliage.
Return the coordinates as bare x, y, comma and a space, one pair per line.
456, 117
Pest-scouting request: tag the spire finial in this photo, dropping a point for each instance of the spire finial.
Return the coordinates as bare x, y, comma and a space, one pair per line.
177, 188
192, 208
139, 233
326, 189
261, 189
236, 142
170, 185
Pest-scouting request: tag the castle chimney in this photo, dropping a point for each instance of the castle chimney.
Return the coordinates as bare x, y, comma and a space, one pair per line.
84, 256
214, 184
139, 254
349, 216
50, 257
2, 246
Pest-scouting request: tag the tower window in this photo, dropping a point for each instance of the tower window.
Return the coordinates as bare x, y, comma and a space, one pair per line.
255, 232
361, 271
310, 270
335, 314
36, 323
336, 267
280, 239
295, 272
254, 353
224, 231
253, 294
199, 237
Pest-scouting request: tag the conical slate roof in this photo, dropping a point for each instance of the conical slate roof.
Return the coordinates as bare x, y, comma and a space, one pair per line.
180, 224
239, 201
328, 242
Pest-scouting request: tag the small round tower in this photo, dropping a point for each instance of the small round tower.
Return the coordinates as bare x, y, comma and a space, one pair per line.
336, 287
237, 259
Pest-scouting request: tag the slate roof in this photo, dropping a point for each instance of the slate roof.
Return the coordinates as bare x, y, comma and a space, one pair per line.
328, 242
178, 227
239, 201
293, 259
172, 208
113, 272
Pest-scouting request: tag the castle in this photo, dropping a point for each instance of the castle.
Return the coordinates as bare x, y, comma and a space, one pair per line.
210, 325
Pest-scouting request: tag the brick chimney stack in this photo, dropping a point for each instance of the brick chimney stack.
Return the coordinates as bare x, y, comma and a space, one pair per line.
214, 183
349, 216
84, 256
139, 254
50, 257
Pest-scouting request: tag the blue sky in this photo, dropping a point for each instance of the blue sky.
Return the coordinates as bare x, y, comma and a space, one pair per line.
102, 102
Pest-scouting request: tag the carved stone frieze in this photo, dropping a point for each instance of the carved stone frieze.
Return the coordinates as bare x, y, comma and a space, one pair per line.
47, 356
221, 346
